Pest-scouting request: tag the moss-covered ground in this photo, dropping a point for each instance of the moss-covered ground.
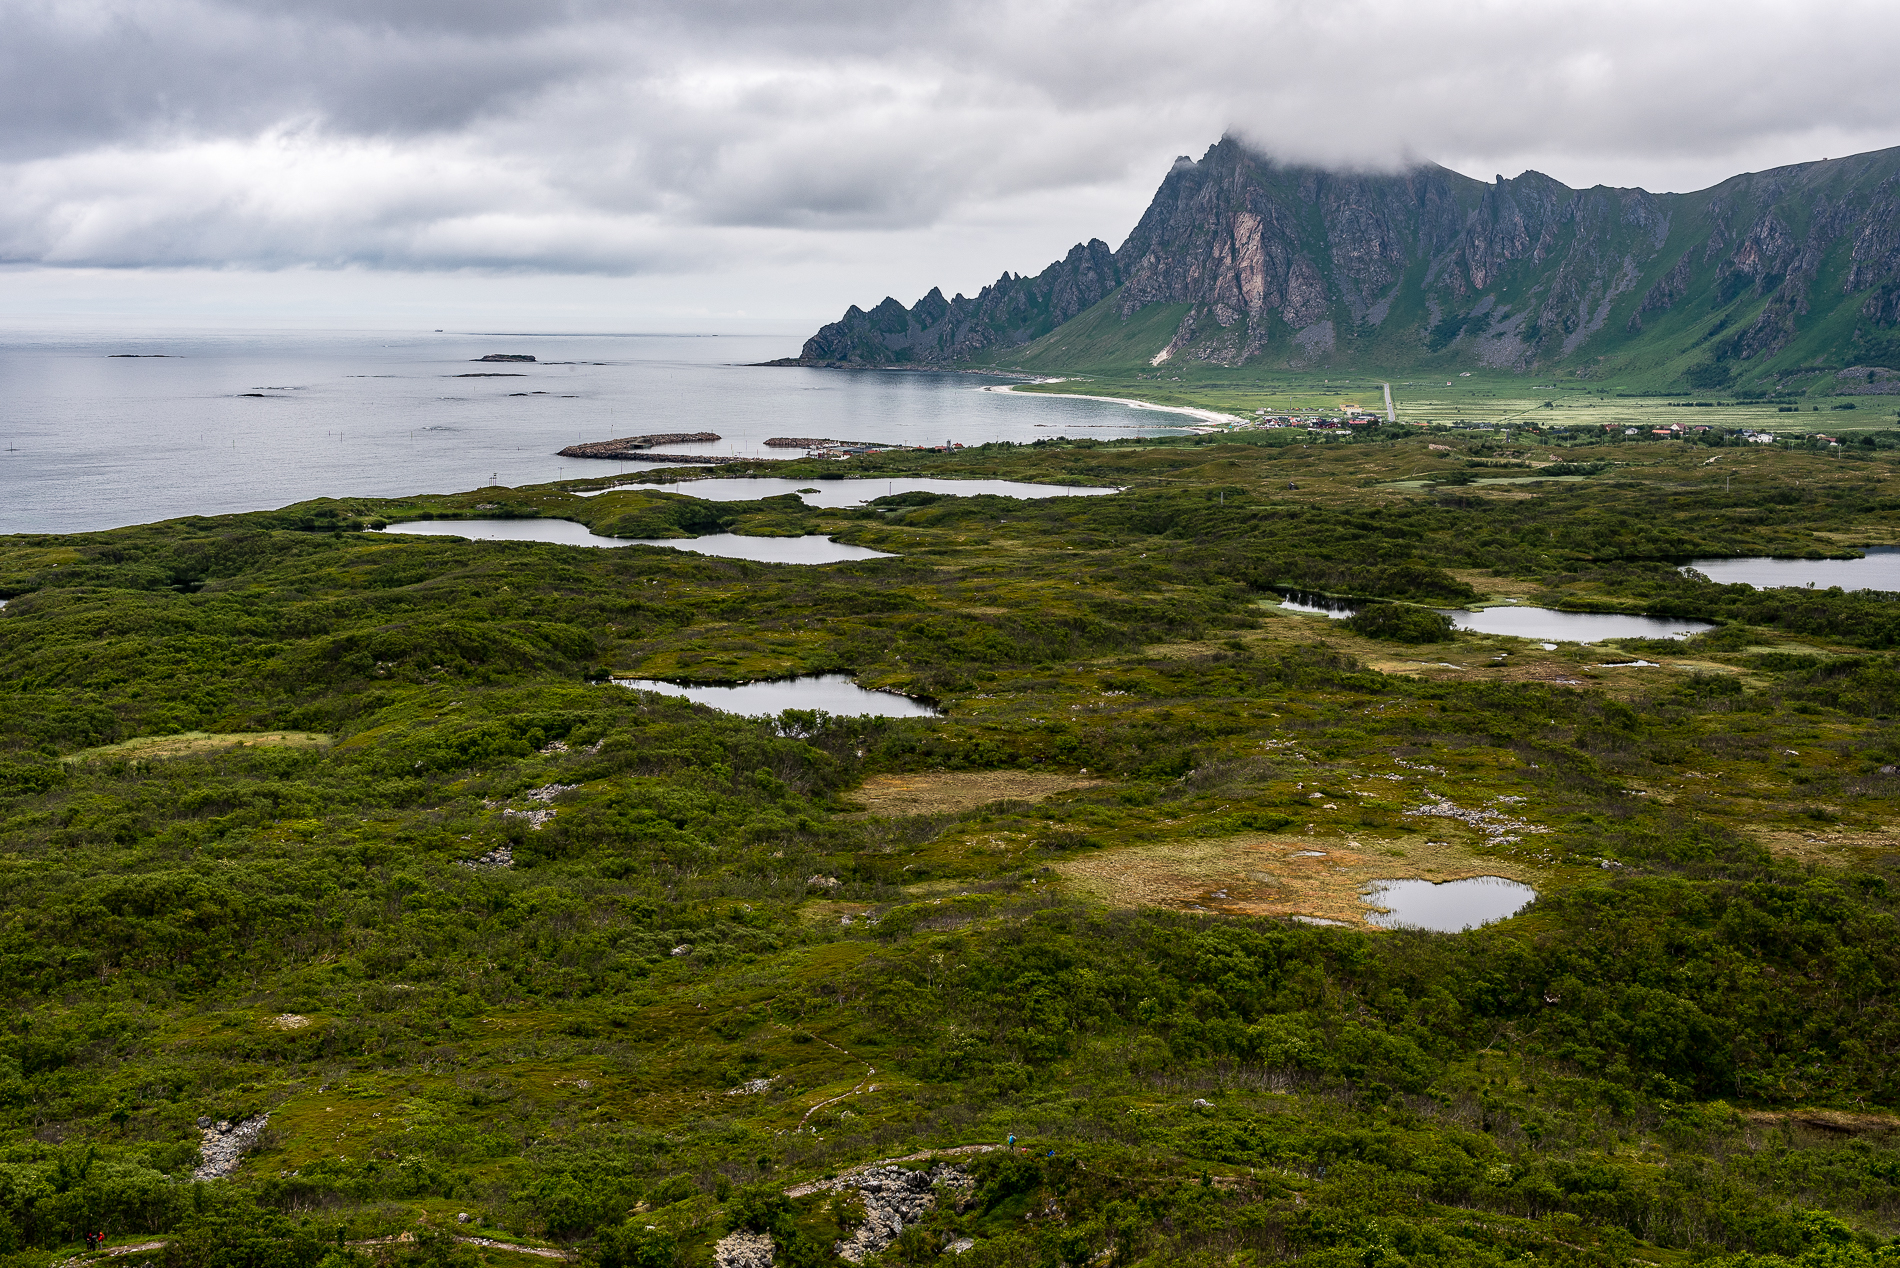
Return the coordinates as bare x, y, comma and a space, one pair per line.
259, 774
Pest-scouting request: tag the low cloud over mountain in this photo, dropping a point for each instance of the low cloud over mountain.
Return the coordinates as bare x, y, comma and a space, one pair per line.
734, 136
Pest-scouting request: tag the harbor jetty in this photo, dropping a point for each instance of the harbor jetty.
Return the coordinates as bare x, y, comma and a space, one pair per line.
641, 447
821, 447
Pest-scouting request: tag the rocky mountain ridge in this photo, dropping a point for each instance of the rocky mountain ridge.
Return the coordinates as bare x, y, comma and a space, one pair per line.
936, 331
1286, 266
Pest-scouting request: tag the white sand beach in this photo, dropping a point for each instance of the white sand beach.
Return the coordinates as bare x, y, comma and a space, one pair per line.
1207, 416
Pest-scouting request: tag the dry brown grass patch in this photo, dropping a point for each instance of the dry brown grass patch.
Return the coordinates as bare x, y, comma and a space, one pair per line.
189, 743
1318, 877
1832, 848
1827, 1120
1487, 582
945, 792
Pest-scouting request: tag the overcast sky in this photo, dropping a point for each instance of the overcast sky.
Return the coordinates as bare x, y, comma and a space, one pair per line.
730, 164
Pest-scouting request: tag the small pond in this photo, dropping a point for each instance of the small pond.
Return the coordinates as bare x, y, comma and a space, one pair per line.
1449, 907
837, 694
1880, 570
1571, 627
842, 493
1317, 604
560, 532
770, 550
767, 550
1546, 625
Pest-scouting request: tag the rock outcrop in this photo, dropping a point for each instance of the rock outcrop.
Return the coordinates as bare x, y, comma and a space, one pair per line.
1309, 266
940, 332
743, 1250
893, 1198
223, 1144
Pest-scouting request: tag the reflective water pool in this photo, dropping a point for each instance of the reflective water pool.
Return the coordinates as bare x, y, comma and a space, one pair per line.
1880, 570
560, 532
833, 693
1448, 907
1543, 624
1572, 627
1317, 604
769, 550
857, 492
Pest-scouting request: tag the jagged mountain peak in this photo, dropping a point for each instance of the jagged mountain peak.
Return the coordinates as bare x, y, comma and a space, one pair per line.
1241, 258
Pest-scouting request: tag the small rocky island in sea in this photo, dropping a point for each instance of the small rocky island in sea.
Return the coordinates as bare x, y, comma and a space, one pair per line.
506, 356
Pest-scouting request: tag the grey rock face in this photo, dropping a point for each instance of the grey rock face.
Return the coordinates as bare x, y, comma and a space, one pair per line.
894, 1198
936, 331
224, 1144
1268, 254
744, 1250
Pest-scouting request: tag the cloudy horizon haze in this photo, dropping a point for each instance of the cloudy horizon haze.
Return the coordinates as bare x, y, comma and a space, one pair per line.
737, 165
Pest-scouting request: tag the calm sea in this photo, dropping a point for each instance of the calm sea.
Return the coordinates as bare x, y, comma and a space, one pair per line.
230, 421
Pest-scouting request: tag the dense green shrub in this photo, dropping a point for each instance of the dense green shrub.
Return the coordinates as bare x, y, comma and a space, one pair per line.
1401, 623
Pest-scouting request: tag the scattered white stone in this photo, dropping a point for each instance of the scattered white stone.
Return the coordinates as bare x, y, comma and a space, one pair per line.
553, 747
684, 948
894, 1198
500, 856
822, 882
290, 1021
752, 1087
960, 1245
224, 1142
548, 792
1497, 827
1200, 1104
743, 1250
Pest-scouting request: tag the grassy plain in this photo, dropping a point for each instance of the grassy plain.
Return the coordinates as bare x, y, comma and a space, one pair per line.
742, 955
1484, 399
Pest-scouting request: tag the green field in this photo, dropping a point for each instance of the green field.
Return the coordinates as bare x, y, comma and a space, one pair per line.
357, 831
1496, 400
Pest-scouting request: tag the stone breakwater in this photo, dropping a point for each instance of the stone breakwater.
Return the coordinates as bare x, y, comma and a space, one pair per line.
223, 1143
684, 459
637, 446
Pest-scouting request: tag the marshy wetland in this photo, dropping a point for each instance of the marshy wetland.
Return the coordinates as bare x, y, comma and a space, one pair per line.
610, 971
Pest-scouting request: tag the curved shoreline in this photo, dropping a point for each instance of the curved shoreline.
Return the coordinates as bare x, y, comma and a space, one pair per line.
1204, 415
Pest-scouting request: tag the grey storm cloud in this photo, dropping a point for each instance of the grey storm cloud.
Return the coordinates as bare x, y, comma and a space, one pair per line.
592, 136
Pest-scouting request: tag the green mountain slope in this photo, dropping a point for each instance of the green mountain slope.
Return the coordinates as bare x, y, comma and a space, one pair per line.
1754, 286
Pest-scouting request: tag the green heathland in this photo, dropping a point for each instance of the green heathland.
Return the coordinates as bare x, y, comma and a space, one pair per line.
487, 934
